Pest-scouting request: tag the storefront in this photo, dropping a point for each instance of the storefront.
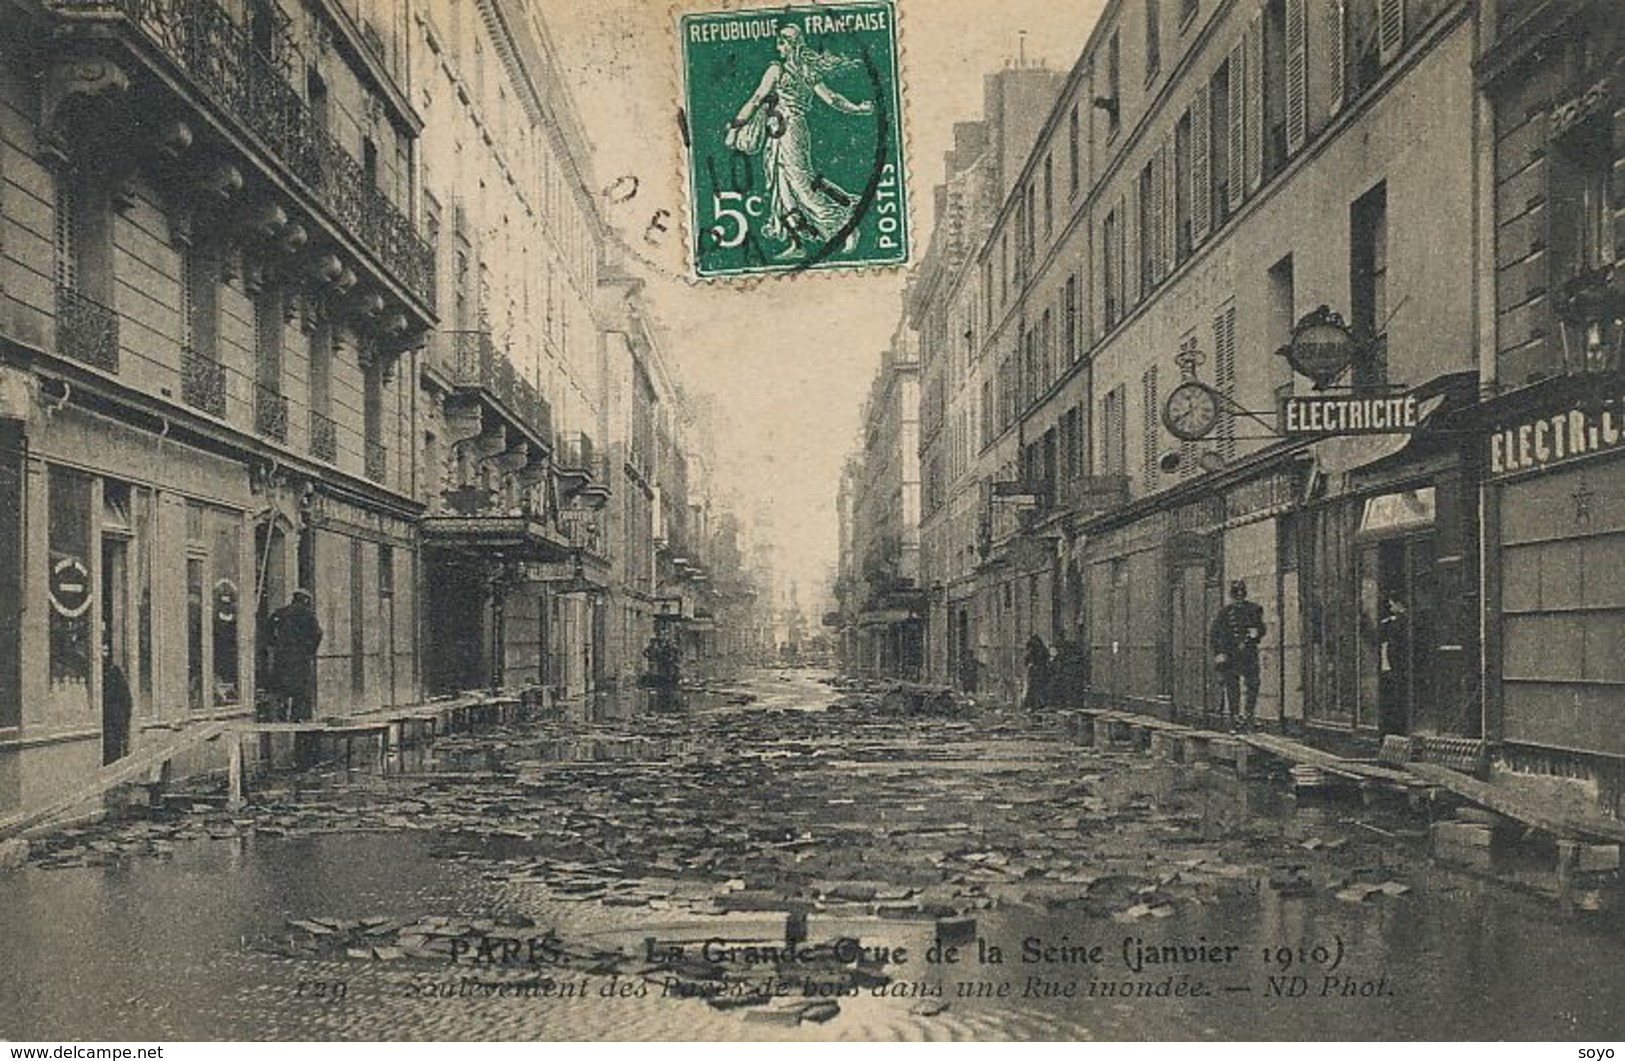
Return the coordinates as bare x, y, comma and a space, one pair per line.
1554, 497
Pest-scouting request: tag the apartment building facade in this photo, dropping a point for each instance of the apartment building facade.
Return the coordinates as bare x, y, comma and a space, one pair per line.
1549, 440
1211, 175
213, 293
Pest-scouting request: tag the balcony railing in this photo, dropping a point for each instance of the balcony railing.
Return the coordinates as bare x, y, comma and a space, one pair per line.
270, 412
377, 461
324, 437
86, 330
201, 38
475, 361
576, 453
203, 382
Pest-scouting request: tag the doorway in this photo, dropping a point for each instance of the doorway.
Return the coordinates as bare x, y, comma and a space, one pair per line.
117, 702
1399, 606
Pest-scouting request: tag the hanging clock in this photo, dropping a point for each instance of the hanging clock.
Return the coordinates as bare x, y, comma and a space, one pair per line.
1191, 411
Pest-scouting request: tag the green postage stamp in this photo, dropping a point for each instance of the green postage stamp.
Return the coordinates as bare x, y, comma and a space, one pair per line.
794, 133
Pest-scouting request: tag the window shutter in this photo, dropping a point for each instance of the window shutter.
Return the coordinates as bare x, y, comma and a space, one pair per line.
1131, 243
1297, 76
1201, 193
1255, 103
1390, 29
1170, 207
1238, 95
1158, 218
1148, 428
1337, 28
1224, 377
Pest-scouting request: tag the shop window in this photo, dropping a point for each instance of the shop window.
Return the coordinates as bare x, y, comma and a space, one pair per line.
71, 591
225, 598
194, 633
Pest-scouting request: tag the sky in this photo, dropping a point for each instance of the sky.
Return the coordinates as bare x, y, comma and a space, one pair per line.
789, 360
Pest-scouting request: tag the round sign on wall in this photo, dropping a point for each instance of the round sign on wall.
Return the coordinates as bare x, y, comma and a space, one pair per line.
70, 586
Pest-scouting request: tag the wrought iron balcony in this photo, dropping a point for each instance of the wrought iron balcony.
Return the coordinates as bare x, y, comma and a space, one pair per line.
475, 362
86, 330
249, 89
324, 437
203, 382
270, 412
377, 459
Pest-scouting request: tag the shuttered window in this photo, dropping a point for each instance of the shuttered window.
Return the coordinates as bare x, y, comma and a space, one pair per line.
1297, 76
1149, 428
1254, 105
1237, 81
1170, 205
1390, 30
1224, 377
1337, 36
1201, 188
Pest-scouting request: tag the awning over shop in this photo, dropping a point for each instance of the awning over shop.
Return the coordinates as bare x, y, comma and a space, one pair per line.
510, 537
886, 617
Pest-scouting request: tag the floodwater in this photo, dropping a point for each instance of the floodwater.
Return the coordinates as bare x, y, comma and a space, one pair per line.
1075, 865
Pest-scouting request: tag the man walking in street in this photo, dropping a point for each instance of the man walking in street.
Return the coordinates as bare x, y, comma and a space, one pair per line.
295, 636
1236, 634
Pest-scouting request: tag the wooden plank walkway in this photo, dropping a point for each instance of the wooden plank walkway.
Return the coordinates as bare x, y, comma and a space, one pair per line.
116, 773
1512, 805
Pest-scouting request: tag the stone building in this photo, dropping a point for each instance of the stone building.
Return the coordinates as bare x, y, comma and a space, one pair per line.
517, 554
213, 290
1209, 175
1549, 445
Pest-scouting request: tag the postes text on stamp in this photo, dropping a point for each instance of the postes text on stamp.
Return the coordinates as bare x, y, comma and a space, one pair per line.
794, 136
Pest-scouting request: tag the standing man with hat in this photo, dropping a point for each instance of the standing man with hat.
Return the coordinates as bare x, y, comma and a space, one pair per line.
295, 636
1236, 634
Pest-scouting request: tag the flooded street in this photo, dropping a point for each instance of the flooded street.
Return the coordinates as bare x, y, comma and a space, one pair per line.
569, 881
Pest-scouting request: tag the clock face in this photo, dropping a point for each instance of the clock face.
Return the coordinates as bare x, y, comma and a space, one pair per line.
1191, 411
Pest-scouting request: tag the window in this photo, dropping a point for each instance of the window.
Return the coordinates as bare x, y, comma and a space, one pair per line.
1004, 270
1049, 194
225, 606
1113, 433
1281, 319
73, 643
1069, 320
1220, 135
1110, 234
386, 570
200, 302
1046, 351
1275, 84
1182, 188
1114, 85
316, 98
84, 236
1149, 200
358, 623
1072, 154
1368, 284
1582, 163
1153, 38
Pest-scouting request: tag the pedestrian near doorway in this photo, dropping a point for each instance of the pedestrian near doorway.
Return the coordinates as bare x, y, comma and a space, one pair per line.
1037, 673
117, 705
1235, 637
295, 636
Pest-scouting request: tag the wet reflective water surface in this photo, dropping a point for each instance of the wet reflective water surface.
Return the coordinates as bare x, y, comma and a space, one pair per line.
938, 876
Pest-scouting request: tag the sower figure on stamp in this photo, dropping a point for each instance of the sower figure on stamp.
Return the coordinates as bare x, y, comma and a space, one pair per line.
1236, 634
295, 636
802, 202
